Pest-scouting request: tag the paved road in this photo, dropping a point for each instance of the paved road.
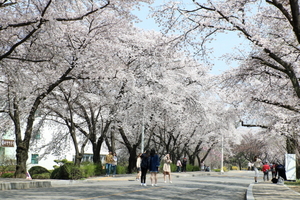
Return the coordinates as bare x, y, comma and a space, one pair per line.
231, 186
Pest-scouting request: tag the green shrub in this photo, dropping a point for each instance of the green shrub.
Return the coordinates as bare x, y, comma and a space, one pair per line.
7, 175
76, 173
219, 170
234, 168
173, 167
41, 176
37, 170
11, 168
89, 170
297, 182
55, 173
121, 169
99, 170
67, 171
191, 168
196, 168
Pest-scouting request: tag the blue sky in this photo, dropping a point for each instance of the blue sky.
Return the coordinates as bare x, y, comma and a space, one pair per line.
223, 44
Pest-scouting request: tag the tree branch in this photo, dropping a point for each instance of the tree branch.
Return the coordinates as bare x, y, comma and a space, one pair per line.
288, 107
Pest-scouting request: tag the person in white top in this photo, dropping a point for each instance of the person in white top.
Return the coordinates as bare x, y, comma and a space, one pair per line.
138, 167
114, 164
178, 164
256, 164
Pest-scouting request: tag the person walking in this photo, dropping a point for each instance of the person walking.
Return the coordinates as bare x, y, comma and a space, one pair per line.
145, 163
167, 167
108, 161
114, 164
178, 164
154, 165
256, 165
266, 168
184, 163
273, 169
138, 167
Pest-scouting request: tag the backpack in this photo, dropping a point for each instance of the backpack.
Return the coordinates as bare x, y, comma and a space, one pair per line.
145, 161
274, 180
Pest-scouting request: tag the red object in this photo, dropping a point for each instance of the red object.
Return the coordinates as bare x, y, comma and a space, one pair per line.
266, 167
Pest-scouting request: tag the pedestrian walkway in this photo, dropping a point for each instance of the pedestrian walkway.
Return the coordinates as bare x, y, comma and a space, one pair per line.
269, 190
259, 191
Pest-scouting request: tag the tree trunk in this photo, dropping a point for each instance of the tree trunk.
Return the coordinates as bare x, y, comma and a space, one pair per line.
192, 159
206, 154
113, 140
96, 150
78, 158
22, 156
132, 160
131, 150
23, 145
290, 145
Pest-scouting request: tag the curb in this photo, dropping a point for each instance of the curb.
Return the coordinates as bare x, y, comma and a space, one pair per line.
27, 184
24, 185
249, 193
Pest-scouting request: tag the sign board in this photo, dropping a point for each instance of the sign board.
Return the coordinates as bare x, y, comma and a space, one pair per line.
290, 167
7, 143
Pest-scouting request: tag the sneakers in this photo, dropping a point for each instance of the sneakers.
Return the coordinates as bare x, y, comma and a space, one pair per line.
152, 185
155, 185
170, 181
143, 184
165, 181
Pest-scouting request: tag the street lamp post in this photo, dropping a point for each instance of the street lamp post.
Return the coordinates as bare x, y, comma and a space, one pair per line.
143, 129
222, 153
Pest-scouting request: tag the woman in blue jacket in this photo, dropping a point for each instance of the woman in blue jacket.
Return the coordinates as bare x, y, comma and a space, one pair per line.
153, 168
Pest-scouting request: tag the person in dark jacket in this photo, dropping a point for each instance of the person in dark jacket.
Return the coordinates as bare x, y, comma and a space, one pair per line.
154, 165
281, 171
145, 163
184, 162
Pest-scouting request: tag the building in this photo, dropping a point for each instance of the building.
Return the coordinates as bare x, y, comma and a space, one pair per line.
36, 155
7, 149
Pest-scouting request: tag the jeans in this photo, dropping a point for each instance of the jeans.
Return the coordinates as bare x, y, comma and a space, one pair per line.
113, 169
266, 175
178, 169
108, 168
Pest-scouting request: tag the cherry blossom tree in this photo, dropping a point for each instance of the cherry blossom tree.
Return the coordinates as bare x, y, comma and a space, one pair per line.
267, 78
36, 58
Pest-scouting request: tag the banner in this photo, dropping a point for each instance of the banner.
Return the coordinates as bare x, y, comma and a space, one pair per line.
290, 167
